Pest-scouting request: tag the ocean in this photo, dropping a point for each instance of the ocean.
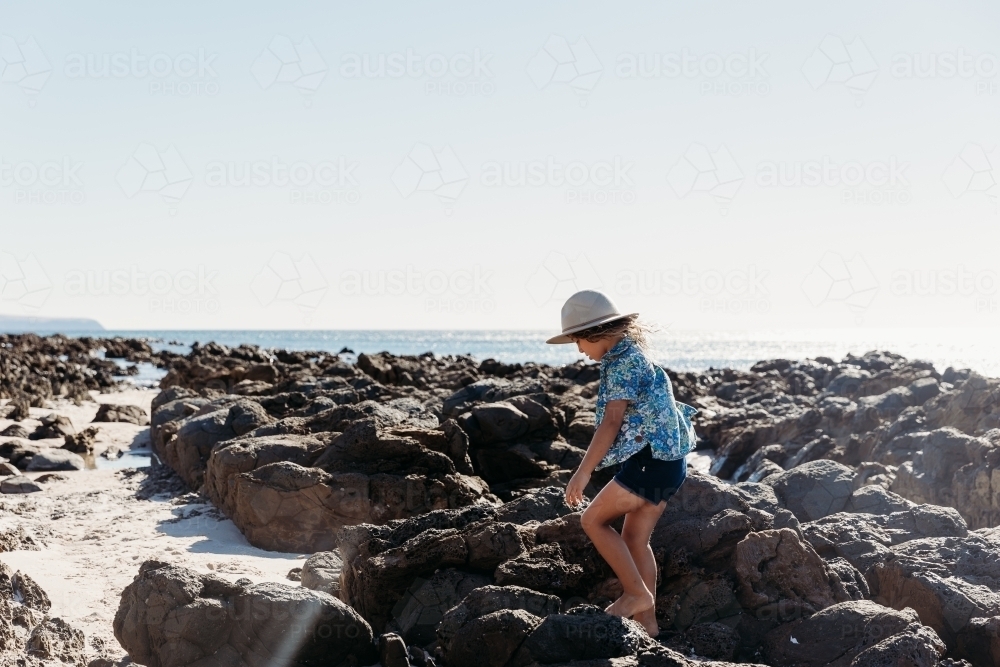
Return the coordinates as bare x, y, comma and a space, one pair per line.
977, 349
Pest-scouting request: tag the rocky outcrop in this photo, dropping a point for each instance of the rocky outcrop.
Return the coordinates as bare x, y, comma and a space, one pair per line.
188, 451
170, 616
28, 635
845, 495
36, 369
293, 492
854, 634
948, 581
777, 565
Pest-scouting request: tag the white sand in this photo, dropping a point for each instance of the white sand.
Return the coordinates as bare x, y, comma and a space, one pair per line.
96, 532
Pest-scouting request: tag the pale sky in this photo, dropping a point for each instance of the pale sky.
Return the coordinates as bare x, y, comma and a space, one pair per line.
713, 165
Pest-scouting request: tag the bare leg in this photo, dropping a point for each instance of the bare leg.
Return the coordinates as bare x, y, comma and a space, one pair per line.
612, 502
638, 527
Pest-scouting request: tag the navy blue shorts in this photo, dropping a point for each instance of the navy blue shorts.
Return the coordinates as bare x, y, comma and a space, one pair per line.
650, 478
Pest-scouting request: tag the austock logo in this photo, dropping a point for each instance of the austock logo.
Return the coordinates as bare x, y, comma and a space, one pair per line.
23, 64
714, 173
836, 280
835, 62
285, 62
559, 62
558, 277
149, 170
974, 170
23, 281
437, 172
285, 279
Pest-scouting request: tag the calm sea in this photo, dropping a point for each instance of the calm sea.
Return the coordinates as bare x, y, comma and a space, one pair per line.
681, 350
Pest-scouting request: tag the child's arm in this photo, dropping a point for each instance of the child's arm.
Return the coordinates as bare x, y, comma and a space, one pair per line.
604, 437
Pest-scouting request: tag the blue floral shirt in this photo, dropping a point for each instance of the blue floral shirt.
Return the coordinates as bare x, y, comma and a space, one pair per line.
652, 417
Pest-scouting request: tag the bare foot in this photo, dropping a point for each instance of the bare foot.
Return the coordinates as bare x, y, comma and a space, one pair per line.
629, 605
647, 619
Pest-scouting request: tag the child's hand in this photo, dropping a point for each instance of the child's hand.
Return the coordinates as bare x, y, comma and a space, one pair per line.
574, 490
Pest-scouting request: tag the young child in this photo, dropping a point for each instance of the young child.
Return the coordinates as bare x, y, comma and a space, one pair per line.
643, 430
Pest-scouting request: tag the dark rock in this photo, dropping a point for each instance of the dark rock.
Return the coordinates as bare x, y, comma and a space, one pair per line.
419, 612
775, 566
56, 459
14, 431
55, 639
838, 634
947, 580
7, 470
584, 632
392, 651
82, 442
188, 452
18, 484
172, 616
53, 426
714, 640
321, 572
815, 489
133, 414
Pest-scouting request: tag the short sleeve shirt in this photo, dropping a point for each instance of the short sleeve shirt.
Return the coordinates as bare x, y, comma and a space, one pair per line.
652, 416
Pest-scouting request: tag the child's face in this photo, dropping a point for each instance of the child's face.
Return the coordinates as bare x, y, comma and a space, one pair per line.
593, 350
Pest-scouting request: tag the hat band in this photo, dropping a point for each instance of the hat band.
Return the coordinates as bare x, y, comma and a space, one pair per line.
583, 324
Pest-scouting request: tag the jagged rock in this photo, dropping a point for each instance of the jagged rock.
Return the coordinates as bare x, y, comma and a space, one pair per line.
187, 453
876, 500
55, 639
918, 646
815, 489
458, 635
170, 616
249, 453
492, 639
17, 539
713, 640
53, 426
82, 442
374, 583
419, 612
947, 580
839, 634
865, 539
132, 414
287, 507
582, 633
20, 408
971, 408
979, 641
536, 571
169, 408
488, 390
775, 566
948, 467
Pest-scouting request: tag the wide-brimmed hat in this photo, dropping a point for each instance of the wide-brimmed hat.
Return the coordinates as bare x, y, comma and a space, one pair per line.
586, 309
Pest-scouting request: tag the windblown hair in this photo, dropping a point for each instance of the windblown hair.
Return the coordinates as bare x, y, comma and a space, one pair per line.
631, 326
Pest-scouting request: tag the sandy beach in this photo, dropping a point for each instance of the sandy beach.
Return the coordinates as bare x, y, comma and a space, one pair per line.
94, 531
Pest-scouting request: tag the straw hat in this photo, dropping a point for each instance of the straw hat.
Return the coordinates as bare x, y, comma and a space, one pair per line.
586, 309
